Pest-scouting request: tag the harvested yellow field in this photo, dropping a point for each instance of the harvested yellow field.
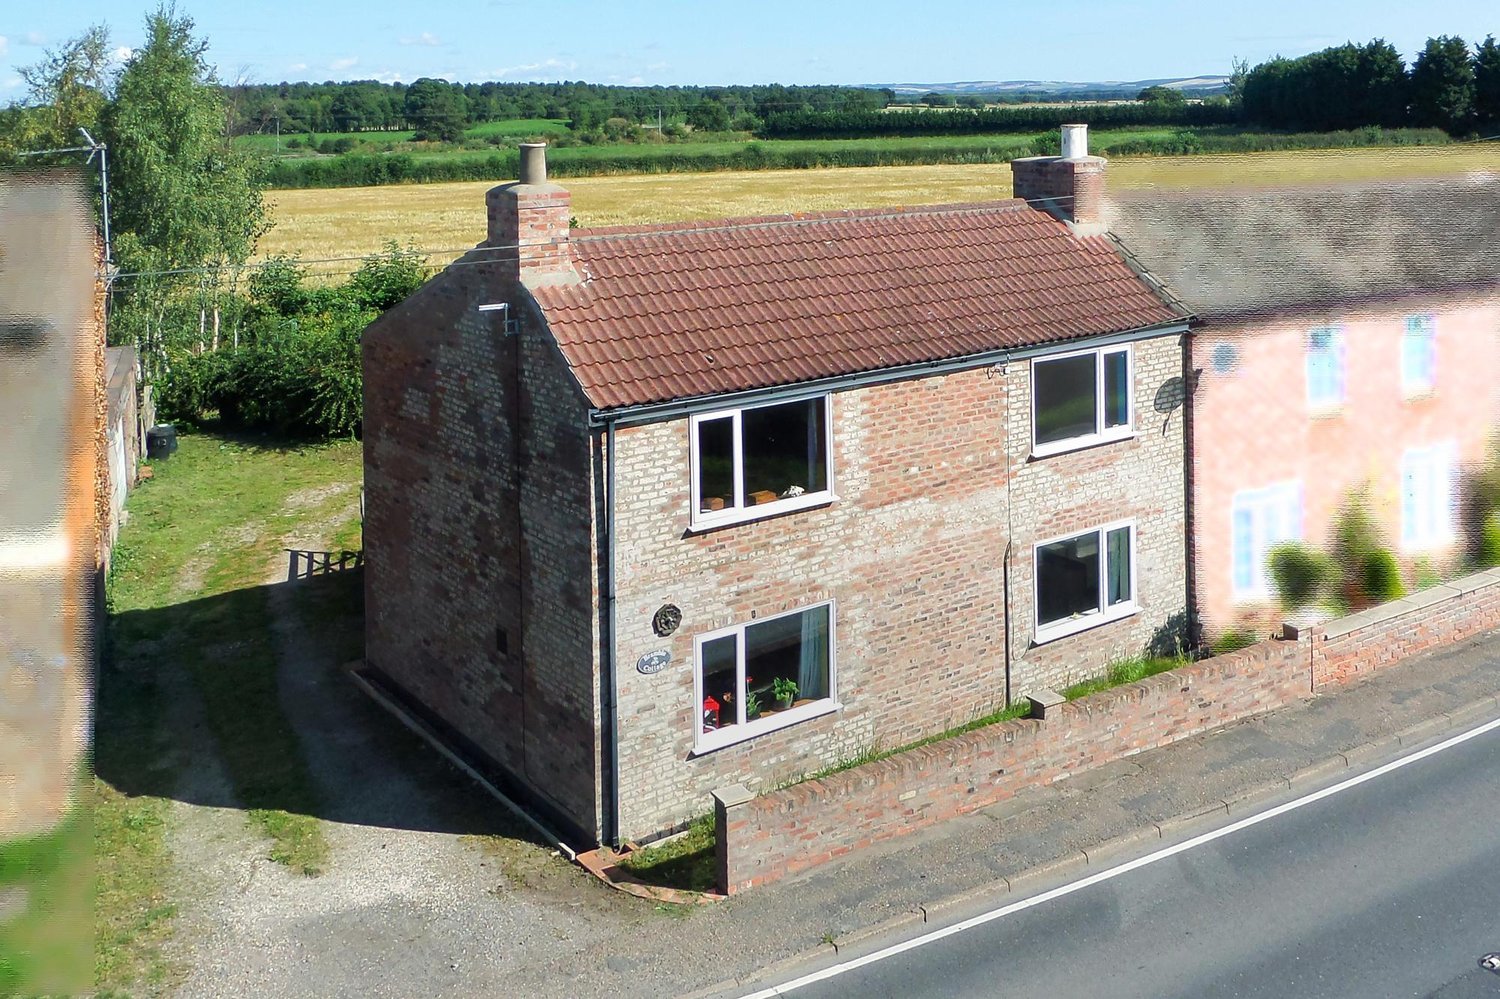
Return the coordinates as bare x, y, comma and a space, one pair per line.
446, 219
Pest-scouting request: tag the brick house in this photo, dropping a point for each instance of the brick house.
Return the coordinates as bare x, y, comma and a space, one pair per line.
622, 484
1360, 325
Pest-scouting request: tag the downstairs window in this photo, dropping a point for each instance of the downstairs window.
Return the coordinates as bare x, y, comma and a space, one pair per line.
1084, 580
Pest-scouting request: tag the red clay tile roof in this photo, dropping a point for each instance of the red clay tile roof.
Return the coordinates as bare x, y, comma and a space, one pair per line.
671, 312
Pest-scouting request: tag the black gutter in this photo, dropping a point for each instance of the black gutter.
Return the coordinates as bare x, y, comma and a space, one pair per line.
651, 412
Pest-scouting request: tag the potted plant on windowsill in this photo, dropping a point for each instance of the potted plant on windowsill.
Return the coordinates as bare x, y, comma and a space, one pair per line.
785, 691
752, 705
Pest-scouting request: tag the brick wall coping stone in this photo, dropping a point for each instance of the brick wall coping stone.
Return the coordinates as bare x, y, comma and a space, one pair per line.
1392, 609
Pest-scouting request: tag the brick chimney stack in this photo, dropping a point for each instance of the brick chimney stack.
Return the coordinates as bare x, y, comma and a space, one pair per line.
529, 222
1070, 186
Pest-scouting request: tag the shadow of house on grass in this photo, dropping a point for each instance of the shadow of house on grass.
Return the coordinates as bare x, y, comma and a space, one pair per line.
241, 700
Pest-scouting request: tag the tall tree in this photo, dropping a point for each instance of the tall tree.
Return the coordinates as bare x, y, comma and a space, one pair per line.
181, 199
1487, 83
436, 110
65, 90
1442, 85
1382, 94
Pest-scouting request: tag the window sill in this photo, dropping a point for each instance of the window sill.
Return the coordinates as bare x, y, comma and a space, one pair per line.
1326, 411
708, 742
1418, 394
1062, 629
743, 515
1080, 443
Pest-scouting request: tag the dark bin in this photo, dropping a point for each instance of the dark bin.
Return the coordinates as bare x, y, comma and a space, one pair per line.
161, 441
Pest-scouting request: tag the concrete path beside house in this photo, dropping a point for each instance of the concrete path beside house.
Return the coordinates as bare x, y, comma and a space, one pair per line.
421, 901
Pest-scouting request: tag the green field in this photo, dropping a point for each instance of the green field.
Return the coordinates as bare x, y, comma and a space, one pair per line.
513, 128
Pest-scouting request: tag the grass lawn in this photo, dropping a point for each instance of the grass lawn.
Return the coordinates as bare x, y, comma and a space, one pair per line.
352, 221
46, 893
186, 594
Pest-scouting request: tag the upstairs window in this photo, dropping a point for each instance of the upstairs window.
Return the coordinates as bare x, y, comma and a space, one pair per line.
1325, 367
1419, 355
761, 460
1084, 580
1080, 399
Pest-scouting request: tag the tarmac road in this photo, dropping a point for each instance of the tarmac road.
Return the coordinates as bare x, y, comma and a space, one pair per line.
1390, 887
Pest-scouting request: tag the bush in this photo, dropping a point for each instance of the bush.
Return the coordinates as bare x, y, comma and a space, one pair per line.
385, 279
1300, 574
1489, 542
1232, 641
1382, 577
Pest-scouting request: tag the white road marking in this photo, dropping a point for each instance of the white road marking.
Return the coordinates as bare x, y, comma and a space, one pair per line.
1114, 872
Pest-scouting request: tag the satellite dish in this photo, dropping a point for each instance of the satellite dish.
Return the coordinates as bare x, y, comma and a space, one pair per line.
1171, 395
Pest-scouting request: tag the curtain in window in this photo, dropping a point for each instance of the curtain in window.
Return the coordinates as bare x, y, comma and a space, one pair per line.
812, 672
1119, 566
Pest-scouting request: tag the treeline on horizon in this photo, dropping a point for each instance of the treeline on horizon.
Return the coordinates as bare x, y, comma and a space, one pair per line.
1450, 85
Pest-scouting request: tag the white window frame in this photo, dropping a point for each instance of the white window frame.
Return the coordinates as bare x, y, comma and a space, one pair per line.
741, 731
1284, 496
1101, 434
1339, 346
1439, 462
700, 519
1411, 386
1105, 615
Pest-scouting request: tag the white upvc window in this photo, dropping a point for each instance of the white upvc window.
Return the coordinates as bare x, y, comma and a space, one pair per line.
1081, 398
1429, 496
1419, 355
1261, 519
1325, 368
1084, 580
760, 460
764, 675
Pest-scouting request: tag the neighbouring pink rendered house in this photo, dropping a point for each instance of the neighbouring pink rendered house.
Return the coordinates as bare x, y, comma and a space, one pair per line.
1350, 338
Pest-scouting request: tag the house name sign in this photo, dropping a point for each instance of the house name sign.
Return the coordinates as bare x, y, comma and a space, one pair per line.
653, 662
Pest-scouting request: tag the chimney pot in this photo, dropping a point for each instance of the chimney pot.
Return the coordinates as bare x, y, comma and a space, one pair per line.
1075, 142
534, 163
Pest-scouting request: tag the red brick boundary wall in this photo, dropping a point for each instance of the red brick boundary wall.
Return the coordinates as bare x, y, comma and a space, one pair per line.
771, 836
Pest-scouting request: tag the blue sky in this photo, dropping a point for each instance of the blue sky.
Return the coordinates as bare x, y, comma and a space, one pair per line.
786, 41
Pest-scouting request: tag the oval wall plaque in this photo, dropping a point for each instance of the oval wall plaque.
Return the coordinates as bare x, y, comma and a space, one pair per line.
653, 662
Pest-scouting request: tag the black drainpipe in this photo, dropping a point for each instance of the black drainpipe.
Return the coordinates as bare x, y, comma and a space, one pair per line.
609, 765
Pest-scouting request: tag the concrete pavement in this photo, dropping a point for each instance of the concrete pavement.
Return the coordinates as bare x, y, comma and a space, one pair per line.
1377, 886
1093, 819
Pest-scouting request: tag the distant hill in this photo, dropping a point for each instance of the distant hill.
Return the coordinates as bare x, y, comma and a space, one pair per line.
1043, 88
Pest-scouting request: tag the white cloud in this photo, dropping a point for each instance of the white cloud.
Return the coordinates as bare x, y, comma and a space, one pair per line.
10, 83
122, 53
388, 76
425, 38
341, 64
296, 67
35, 38
535, 67
4, 44
656, 67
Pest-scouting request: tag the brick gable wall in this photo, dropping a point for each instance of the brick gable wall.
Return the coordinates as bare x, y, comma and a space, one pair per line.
478, 596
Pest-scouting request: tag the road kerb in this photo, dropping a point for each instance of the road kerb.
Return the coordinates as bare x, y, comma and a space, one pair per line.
1026, 881
891, 924
932, 911
1318, 771
1174, 825
1427, 728
1095, 855
1370, 752
1252, 797
776, 969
